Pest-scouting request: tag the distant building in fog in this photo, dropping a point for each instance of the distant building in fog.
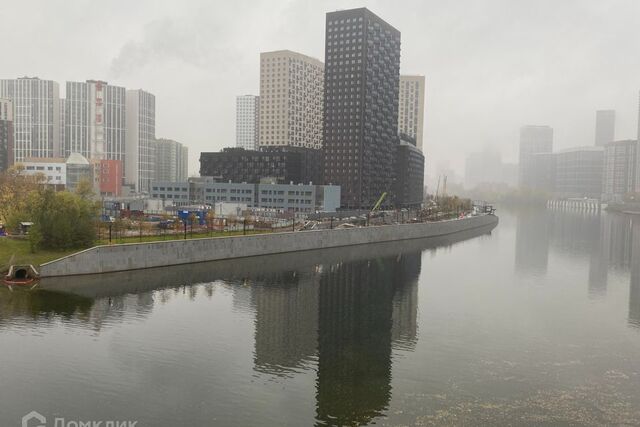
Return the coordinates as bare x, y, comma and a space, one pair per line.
620, 169
6, 134
411, 107
171, 160
578, 172
483, 167
536, 145
605, 126
248, 122
510, 174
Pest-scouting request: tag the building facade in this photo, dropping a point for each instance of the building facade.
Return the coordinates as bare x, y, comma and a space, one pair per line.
536, 143
248, 122
620, 169
108, 174
291, 100
172, 160
54, 169
36, 113
79, 169
605, 127
303, 198
95, 120
140, 155
411, 107
578, 172
362, 78
6, 134
281, 165
409, 164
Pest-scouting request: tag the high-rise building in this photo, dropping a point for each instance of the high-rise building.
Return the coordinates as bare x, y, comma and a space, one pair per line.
620, 169
362, 79
579, 172
605, 126
6, 133
291, 94
171, 161
36, 113
95, 120
411, 107
536, 145
63, 123
248, 122
141, 135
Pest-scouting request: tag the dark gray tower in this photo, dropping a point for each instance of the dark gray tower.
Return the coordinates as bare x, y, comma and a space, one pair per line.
362, 72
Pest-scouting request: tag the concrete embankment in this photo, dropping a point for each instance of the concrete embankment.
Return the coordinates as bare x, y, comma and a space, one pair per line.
135, 256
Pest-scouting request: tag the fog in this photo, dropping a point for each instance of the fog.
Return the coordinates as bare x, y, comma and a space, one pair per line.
491, 66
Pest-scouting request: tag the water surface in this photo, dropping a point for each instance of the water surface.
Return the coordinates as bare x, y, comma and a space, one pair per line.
536, 322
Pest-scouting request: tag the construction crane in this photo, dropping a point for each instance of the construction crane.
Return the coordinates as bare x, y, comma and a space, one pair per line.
379, 202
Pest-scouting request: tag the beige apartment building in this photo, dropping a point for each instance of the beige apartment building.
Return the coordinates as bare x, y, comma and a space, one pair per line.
411, 107
291, 100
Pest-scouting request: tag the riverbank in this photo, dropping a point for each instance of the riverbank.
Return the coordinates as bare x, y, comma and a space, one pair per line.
135, 256
18, 251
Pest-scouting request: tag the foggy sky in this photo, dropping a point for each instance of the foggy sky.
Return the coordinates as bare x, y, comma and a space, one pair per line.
491, 66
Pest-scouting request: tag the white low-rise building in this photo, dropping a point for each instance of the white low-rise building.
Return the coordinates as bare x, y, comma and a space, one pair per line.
54, 169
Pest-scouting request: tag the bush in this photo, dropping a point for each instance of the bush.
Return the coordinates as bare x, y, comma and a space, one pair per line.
62, 220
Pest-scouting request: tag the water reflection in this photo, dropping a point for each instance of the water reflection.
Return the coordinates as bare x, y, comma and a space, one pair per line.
607, 241
338, 314
532, 242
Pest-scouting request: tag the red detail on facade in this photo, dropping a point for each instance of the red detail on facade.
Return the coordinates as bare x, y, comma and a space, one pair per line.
110, 175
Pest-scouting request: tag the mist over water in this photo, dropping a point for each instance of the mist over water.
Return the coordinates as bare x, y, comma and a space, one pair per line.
536, 321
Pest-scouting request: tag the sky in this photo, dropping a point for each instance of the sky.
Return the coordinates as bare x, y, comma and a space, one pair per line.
491, 66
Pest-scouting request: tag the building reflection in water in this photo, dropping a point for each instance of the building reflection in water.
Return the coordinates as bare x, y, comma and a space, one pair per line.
358, 301
532, 242
610, 241
346, 316
286, 321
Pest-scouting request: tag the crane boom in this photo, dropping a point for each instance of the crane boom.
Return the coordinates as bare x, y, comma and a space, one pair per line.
379, 202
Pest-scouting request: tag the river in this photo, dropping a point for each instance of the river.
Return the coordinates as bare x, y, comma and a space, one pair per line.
536, 322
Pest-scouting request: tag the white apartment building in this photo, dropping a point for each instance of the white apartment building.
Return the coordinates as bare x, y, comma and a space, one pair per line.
248, 122
291, 100
36, 116
411, 107
95, 120
141, 136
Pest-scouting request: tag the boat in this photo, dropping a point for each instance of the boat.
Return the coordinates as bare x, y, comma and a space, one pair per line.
22, 275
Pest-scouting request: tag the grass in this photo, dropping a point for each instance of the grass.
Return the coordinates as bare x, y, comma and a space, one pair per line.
18, 251
177, 236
